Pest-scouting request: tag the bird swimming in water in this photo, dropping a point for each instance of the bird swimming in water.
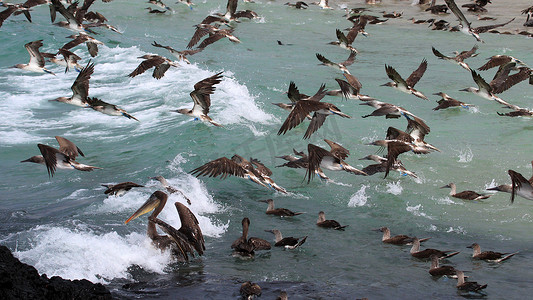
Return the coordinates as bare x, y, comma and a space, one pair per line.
120, 189
247, 246
286, 242
201, 97
468, 286
280, 212
407, 86
108, 108
322, 222
489, 256
400, 239
37, 62
62, 158
426, 253
182, 242
436, 270
80, 88
465, 195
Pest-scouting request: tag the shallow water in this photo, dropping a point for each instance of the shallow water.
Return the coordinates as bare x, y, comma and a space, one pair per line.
66, 226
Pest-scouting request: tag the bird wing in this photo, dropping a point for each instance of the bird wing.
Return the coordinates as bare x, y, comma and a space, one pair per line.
438, 54
155, 44
417, 74
222, 167
316, 154
346, 88
198, 34
6, 13
341, 37
316, 122
68, 148
494, 61
416, 129
397, 134
202, 91
337, 150
352, 34
293, 93
63, 11
190, 227
481, 83
75, 42
80, 87
36, 58
395, 76
506, 84
324, 60
181, 243
231, 7
319, 94
261, 167
51, 156
92, 48
457, 12
299, 113
250, 14
350, 60
353, 81
210, 40
518, 182
394, 149
160, 70
466, 54
259, 244
482, 29
147, 64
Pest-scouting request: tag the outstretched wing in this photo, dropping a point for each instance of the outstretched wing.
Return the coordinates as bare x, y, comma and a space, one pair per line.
222, 167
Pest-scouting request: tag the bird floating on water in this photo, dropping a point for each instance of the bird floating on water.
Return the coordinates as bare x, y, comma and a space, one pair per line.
281, 212
426, 253
182, 242
400, 239
465, 195
250, 290
201, 97
245, 246
468, 286
62, 158
287, 242
489, 256
322, 222
436, 270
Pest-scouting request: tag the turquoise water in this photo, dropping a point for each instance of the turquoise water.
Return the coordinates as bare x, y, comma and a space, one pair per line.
66, 226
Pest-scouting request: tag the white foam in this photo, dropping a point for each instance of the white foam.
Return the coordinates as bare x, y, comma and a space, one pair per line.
465, 155
417, 210
394, 188
360, 198
77, 254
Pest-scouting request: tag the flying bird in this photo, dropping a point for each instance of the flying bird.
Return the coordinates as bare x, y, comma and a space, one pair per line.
37, 62
159, 63
406, 86
80, 88
108, 108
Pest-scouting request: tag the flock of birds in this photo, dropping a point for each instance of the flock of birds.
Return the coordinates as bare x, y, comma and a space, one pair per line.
188, 239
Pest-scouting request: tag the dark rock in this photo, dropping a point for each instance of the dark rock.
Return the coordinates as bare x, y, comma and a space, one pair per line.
22, 281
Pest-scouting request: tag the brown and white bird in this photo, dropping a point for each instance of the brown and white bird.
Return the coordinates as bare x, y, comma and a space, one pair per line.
468, 286
465, 195
303, 108
286, 242
338, 66
250, 290
36, 63
159, 63
62, 158
180, 55
426, 253
322, 222
330, 160
201, 97
459, 58
437, 270
92, 43
447, 102
280, 212
247, 246
80, 88
489, 256
406, 86
349, 88
120, 189
70, 60
108, 108
400, 239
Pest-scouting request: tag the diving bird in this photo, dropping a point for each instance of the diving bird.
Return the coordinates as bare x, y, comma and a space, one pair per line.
436, 270
108, 108
201, 97
331, 160
160, 3
294, 95
349, 88
529, 18
345, 41
265, 174
297, 5
247, 246
155, 11
400, 239
159, 63
322, 222
170, 189
447, 102
218, 35
394, 149
489, 256
286, 242
406, 86
426, 253
469, 286
301, 162
80, 88
465, 195
465, 26
250, 290
391, 111
236, 166
92, 43
120, 189
37, 62
303, 108
182, 242
381, 166
459, 58
233, 15
281, 212
339, 66
181, 55
62, 158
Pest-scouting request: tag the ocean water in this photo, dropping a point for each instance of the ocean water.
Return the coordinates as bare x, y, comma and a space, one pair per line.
66, 226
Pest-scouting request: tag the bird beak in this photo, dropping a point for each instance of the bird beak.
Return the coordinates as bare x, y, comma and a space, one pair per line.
268, 230
446, 186
26, 160
264, 201
469, 246
464, 90
148, 206
376, 229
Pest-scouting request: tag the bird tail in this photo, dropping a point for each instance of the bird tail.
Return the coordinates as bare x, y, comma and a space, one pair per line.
125, 114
